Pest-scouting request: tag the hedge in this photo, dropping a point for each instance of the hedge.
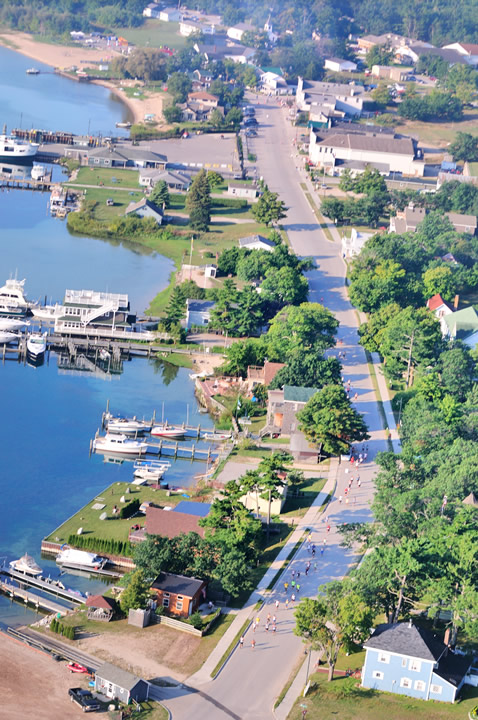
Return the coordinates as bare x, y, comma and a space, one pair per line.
228, 202
99, 545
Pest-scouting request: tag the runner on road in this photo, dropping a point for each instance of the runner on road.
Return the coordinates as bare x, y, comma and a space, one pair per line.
241, 641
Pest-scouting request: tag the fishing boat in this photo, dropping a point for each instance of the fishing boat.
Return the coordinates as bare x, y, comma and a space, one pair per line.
168, 431
36, 345
120, 424
12, 298
119, 444
33, 71
150, 469
79, 558
38, 172
12, 324
7, 337
26, 564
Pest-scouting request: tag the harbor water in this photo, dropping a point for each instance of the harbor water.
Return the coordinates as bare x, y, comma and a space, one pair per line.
48, 415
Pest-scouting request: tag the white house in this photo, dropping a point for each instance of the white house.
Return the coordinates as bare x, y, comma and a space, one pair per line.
440, 308
170, 14
241, 190
256, 242
339, 65
461, 325
236, 32
198, 312
173, 179
389, 153
468, 50
352, 246
145, 208
311, 95
152, 10
189, 27
274, 84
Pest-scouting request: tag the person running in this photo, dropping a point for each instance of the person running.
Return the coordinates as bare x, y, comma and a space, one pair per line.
293, 573
268, 617
286, 586
253, 643
297, 587
322, 550
313, 552
306, 571
315, 567
298, 575
359, 482
273, 628
277, 604
340, 499
292, 584
292, 597
258, 620
267, 627
241, 642
328, 528
287, 604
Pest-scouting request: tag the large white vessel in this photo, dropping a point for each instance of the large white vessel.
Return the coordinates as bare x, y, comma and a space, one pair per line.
16, 150
26, 564
12, 298
119, 444
36, 345
79, 558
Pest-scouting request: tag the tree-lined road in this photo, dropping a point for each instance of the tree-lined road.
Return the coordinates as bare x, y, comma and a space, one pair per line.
249, 684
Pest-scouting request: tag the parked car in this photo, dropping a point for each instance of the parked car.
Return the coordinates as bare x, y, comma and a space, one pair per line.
250, 121
248, 110
84, 699
250, 132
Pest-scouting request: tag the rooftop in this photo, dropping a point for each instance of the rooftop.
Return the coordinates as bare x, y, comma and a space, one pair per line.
171, 524
144, 202
251, 239
199, 305
177, 584
117, 676
370, 143
293, 393
435, 302
462, 323
198, 509
406, 639
100, 601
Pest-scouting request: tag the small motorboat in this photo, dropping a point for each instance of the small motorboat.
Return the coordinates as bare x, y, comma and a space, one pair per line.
126, 125
7, 337
33, 71
48, 312
36, 345
26, 564
12, 324
150, 469
168, 431
77, 668
38, 172
120, 424
112, 443
217, 436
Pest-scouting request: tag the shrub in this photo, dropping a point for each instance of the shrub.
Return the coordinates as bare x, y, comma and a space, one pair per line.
229, 202
196, 621
130, 509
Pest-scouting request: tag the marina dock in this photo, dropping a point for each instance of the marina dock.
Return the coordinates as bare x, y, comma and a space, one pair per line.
30, 598
49, 587
179, 450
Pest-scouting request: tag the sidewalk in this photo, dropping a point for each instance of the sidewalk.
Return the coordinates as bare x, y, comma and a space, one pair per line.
203, 675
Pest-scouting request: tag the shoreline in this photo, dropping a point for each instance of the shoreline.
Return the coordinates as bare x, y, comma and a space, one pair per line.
62, 56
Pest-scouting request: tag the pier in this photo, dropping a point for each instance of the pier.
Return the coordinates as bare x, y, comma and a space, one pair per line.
49, 587
30, 598
179, 450
15, 183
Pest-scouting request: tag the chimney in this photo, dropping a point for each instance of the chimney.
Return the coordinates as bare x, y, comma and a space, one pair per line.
447, 637
410, 624
456, 301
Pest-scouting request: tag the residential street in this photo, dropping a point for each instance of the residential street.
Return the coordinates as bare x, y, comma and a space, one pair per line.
253, 678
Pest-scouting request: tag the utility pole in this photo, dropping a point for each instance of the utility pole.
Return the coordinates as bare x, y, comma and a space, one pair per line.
409, 363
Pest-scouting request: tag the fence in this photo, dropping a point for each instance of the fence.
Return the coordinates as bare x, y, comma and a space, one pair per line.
183, 626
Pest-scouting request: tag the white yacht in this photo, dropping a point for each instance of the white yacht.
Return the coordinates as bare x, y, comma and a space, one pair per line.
26, 564
130, 426
13, 149
174, 432
7, 337
119, 444
38, 172
12, 298
79, 558
36, 345
12, 324
48, 312
150, 469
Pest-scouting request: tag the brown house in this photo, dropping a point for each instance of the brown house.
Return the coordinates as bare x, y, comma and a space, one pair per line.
167, 523
178, 594
262, 375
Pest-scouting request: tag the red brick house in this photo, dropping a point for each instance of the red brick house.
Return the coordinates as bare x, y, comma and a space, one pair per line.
179, 595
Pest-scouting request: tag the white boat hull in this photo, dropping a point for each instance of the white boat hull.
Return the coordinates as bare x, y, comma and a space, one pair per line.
119, 445
167, 432
12, 324
127, 426
7, 337
36, 345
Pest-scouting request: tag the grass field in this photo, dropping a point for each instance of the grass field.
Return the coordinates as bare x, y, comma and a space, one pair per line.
440, 134
155, 34
103, 176
344, 698
298, 506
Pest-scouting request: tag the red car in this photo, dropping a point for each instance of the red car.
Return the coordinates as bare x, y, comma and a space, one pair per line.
77, 668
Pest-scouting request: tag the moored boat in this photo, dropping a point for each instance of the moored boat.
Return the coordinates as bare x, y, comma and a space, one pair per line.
26, 564
120, 424
38, 172
33, 71
13, 149
174, 432
217, 436
48, 312
12, 324
79, 558
110, 443
7, 337
150, 469
36, 345
12, 298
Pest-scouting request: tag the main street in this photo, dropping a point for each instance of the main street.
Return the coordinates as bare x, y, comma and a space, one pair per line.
252, 679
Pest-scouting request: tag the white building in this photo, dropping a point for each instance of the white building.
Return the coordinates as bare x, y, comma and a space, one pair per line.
468, 50
389, 153
339, 65
170, 14
189, 27
312, 96
198, 312
274, 84
173, 179
152, 10
145, 209
352, 246
236, 32
241, 190
256, 242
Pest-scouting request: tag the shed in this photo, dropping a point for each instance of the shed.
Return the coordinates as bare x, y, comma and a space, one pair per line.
118, 684
256, 242
198, 312
241, 189
100, 608
179, 594
145, 208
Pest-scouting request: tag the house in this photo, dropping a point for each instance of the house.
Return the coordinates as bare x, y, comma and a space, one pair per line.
198, 509
262, 375
145, 208
253, 501
283, 406
256, 242
90, 309
391, 72
414, 50
122, 156
118, 684
407, 660
100, 608
313, 95
199, 106
273, 83
173, 179
438, 306
353, 245
167, 523
190, 27
241, 189
389, 152
463, 223
339, 65
236, 32
409, 219
180, 595
204, 98
461, 325
468, 50
202, 78
152, 11
198, 312
170, 14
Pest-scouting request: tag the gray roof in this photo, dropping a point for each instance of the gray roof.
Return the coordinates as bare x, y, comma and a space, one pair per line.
124, 153
292, 393
144, 202
177, 584
453, 668
251, 239
406, 639
118, 676
371, 143
172, 178
450, 56
199, 305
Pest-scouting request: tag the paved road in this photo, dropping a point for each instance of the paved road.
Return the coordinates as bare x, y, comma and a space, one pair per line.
251, 681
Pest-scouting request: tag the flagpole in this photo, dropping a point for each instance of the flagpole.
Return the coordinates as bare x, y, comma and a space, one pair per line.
191, 256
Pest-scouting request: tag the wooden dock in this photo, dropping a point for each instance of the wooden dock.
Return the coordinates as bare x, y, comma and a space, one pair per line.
49, 587
12, 183
30, 598
178, 450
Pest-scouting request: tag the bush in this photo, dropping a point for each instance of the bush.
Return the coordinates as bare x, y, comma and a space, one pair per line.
226, 202
130, 509
196, 621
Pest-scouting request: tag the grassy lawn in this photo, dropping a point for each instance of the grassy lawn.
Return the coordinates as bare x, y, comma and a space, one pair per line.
297, 506
103, 176
113, 528
343, 698
121, 199
256, 452
153, 33
440, 134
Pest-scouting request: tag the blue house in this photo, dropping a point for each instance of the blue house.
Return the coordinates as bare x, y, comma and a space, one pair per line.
404, 659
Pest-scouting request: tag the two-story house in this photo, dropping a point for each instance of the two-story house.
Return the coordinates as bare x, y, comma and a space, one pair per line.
407, 660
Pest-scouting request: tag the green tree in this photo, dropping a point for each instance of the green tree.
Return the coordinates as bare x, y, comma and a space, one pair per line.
136, 593
457, 371
464, 147
198, 203
285, 286
160, 194
233, 117
337, 619
172, 114
379, 55
268, 208
214, 179
308, 369
271, 471
250, 315
440, 280
299, 328
241, 354
329, 420
216, 118
179, 85
381, 96
375, 282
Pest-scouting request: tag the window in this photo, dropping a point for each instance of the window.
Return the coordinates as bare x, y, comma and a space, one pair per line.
405, 682
377, 675
165, 602
166, 594
384, 657
435, 689
415, 665
420, 685
404, 662
179, 604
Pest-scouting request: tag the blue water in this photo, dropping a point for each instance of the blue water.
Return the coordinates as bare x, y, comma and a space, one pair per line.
47, 416
52, 102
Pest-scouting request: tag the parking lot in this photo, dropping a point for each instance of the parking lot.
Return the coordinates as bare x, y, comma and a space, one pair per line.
211, 151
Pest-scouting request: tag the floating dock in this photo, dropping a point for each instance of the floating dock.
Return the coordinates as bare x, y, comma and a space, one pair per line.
30, 598
49, 587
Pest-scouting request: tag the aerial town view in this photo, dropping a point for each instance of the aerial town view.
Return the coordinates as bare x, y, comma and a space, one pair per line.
239, 359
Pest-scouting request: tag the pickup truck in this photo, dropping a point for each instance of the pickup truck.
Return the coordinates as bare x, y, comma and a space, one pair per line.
84, 699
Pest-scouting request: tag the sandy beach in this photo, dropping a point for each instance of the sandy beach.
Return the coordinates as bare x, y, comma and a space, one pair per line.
64, 56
